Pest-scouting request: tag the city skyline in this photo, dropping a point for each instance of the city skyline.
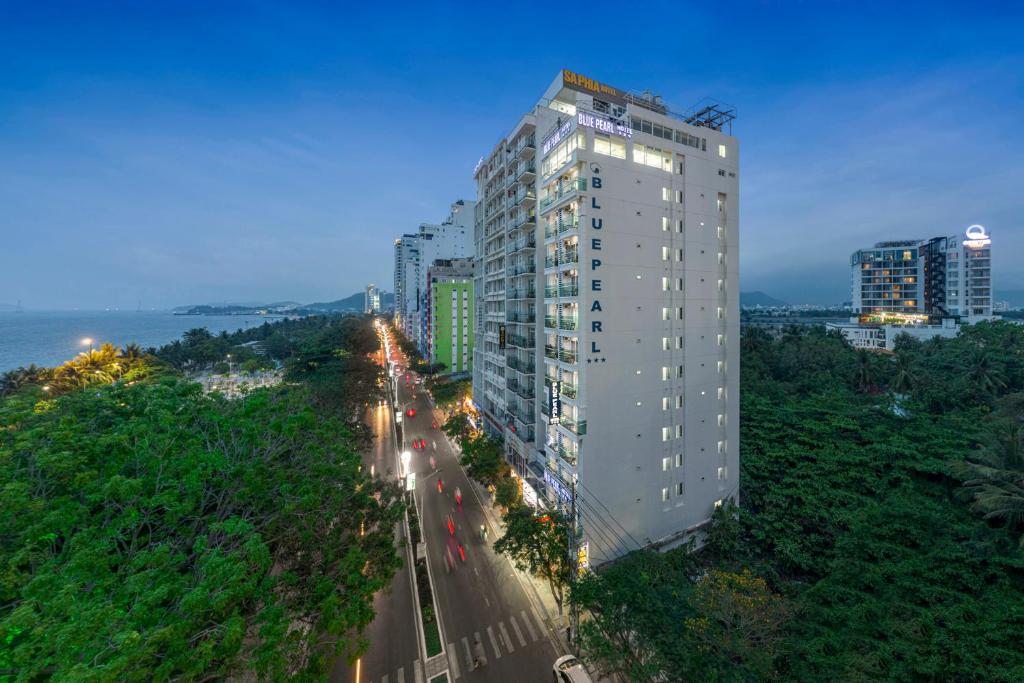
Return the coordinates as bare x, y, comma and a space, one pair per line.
156, 156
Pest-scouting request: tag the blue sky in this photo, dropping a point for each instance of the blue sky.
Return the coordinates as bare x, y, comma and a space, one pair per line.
192, 152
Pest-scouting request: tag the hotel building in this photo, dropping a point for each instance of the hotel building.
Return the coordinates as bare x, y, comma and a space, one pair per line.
923, 288
607, 241
450, 314
371, 301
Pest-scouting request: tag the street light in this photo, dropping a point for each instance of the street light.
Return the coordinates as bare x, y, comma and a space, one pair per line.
406, 458
87, 341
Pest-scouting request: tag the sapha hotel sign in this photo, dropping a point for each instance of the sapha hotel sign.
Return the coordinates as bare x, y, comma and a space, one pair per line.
581, 83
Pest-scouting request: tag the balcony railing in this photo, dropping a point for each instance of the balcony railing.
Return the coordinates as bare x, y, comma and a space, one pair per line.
568, 389
561, 227
567, 356
562, 258
520, 341
551, 352
524, 293
551, 321
521, 197
569, 289
520, 244
564, 190
520, 317
524, 367
567, 454
568, 323
577, 427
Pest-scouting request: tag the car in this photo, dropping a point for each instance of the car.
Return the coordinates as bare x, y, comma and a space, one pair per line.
411, 412
568, 669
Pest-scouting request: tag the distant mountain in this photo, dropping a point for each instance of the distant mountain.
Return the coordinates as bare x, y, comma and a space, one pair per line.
352, 303
759, 299
239, 305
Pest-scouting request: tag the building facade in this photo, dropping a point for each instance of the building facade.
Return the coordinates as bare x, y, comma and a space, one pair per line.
607, 289
371, 300
450, 315
414, 253
924, 281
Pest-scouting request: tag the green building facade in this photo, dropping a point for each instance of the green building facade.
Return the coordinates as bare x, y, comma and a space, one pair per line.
451, 322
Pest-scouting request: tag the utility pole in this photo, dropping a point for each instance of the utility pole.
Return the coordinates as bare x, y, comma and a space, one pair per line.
574, 615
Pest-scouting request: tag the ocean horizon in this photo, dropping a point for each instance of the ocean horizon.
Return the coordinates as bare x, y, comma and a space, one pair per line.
48, 338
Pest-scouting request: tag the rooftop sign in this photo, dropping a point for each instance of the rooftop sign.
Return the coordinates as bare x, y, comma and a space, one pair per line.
581, 83
604, 125
977, 237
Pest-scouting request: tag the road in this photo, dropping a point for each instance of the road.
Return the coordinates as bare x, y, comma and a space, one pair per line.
482, 600
393, 633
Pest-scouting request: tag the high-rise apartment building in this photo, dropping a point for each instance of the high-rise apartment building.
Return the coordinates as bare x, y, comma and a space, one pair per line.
371, 300
607, 298
450, 314
917, 281
415, 252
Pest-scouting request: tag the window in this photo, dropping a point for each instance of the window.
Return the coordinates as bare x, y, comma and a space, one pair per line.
664, 253
721, 366
721, 259
721, 151
664, 223
665, 404
721, 232
665, 464
666, 343
679, 254
721, 340
652, 156
666, 433
721, 393
721, 447
718, 503
679, 225
666, 194
679, 489
679, 284
679, 312
679, 196
723, 473
679, 431
665, 373
721, 420
679, 402
666, 314
721, 313
612, 147
664, 495
679, 459
666, 284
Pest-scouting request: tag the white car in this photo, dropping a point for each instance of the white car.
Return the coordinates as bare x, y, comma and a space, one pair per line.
568, 669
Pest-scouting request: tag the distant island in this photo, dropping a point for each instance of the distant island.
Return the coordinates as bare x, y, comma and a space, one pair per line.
350, 304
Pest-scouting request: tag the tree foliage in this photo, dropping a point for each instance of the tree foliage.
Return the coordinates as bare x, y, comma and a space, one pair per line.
539, 545
153, 532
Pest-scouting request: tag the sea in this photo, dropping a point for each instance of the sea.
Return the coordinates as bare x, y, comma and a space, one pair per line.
48, 338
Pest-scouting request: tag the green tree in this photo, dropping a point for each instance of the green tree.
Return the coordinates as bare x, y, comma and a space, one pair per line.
539, 545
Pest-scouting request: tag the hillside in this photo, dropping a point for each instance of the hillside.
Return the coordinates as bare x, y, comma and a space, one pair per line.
759, 299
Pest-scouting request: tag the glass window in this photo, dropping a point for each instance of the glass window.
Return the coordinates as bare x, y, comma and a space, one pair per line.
679, 459
602, 144
664, 223
665, 464
721, 151
664, 495
618, 148
679, 489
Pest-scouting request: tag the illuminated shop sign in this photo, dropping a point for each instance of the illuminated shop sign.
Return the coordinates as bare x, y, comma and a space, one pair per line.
581, 83
556, 137
977, 237
603, 125
554, 401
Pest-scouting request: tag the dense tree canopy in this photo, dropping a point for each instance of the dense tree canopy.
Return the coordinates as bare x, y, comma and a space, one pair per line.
882, 500
149, 531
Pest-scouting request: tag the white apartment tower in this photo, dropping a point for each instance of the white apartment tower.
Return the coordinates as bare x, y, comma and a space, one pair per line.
415, 253
371, 300
607, 292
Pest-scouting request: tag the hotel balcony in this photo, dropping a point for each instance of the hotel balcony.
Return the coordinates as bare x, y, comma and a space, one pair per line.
567, 356
520, 341
564, 258
564, 323
520, 293
521, 415
567, 454
577, 427
550, 352
562, 290
561, 227
524, 197
563, 192
521, 390
521, 366
526, 149
521, 244
520, 317
522, 269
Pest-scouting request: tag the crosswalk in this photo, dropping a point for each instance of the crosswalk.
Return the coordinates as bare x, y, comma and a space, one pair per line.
527, 628
501, 639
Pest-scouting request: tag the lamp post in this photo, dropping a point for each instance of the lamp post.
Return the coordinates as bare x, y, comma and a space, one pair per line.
406, 459
87, 341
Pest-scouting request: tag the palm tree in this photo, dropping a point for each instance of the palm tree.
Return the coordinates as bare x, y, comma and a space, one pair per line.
132, 353
903, 380
982, 372
864, 373
18, 378
994, 478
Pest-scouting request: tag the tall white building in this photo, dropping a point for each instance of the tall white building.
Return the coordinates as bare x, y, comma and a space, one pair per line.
371, 300
608, 314
415, 253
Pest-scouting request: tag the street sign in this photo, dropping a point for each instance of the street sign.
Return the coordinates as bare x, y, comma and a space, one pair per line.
410, 482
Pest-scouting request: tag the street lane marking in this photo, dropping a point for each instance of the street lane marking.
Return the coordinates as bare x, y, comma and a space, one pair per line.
540, 622
519, 633
401, 675
529, 626
494, 644
504, 636
416, 669
469, 655
453, 660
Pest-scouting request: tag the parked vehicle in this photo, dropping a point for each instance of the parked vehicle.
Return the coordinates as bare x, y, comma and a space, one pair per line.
568, 669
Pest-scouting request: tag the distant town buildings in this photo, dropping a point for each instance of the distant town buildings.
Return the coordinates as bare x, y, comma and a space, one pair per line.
922, 288
607, 305
372, 305
450, 314
414, 255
